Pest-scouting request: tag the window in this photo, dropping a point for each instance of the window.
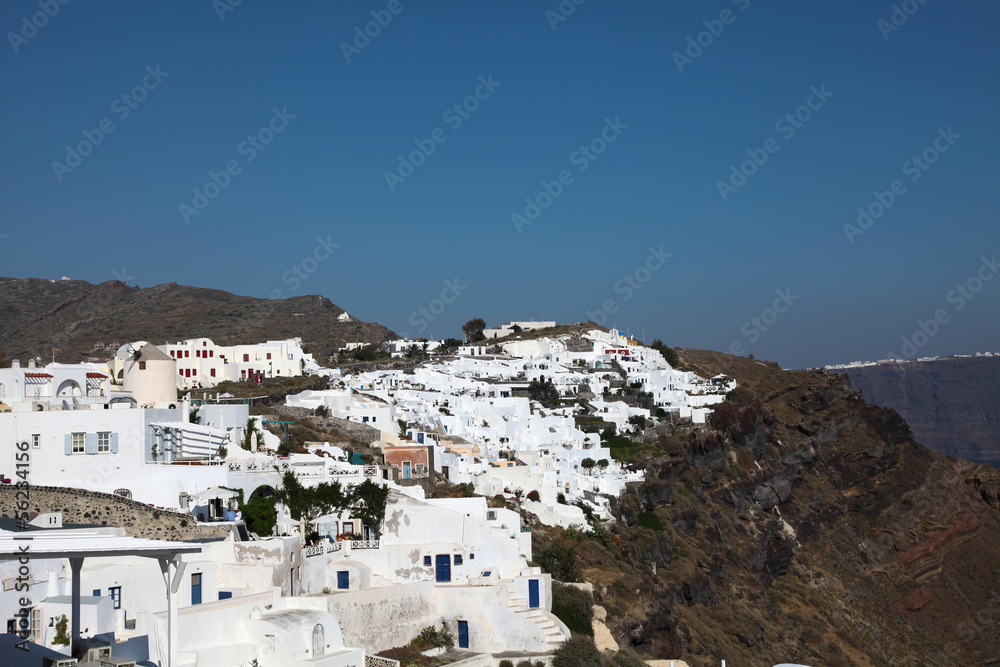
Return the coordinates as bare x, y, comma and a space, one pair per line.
196, 588
472, 556
212, 372
211, 353
187, 353
103, 442
458, 559
427, 561
78, 443
225, 595
343, 580
36, 440
246, 357
116, 596
268, 355
142, 365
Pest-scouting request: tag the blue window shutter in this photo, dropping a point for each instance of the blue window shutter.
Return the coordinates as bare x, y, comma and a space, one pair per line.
69, 444
90, 443
114, 443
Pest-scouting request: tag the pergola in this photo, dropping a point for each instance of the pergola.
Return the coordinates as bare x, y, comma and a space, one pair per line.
76, 545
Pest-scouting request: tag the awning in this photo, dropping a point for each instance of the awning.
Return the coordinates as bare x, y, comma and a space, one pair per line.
215, 492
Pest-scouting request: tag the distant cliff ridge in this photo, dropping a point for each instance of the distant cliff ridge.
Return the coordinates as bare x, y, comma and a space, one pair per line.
80, 319
951, 404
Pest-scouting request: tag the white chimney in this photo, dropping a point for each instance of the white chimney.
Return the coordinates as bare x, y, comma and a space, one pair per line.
16, 363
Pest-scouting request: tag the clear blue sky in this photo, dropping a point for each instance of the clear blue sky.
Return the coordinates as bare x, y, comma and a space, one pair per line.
390, 247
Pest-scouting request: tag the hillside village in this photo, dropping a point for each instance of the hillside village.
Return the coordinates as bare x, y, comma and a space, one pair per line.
171, 521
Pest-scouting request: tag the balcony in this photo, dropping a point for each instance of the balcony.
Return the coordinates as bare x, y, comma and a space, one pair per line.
333, 547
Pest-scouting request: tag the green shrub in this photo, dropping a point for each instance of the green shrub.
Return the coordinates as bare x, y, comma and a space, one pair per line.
505, 663
650, 520
560, 561
574, 607
430, 638
578, 651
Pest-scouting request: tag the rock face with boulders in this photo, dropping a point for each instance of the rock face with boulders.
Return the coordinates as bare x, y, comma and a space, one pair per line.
79, 506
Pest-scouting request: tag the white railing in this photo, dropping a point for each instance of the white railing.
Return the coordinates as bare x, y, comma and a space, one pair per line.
327, 547
379, 661
371, 471
364, 544
256, 465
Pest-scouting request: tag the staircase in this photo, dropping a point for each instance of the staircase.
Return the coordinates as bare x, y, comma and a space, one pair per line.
554, 636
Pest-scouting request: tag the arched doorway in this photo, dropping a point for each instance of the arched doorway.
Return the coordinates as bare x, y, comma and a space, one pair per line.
69, 388
319, 642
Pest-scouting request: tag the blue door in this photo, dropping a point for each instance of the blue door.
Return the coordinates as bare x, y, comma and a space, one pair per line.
533, 593
463, 634
406, 470
196, 588
343, 580
443, 567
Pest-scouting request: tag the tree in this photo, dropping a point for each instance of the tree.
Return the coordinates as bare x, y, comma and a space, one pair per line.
369, 500
260, 515
249, 431
451, 343
669, 353
588, 464
560, 561
61, 636
473, 330
603, 463
543, 391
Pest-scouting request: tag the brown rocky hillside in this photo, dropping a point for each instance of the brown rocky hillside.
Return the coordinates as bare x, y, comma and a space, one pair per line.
811, 530
77, 317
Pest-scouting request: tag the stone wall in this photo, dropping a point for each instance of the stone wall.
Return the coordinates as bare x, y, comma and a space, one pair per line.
79, 506
361, 432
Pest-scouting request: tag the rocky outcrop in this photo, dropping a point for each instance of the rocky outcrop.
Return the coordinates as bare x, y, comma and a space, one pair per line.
91, 508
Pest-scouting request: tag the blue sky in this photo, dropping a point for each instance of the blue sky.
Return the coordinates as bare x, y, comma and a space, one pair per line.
313, 211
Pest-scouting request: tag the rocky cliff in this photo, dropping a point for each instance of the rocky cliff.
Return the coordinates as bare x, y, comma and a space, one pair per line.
808, 527
952, 405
